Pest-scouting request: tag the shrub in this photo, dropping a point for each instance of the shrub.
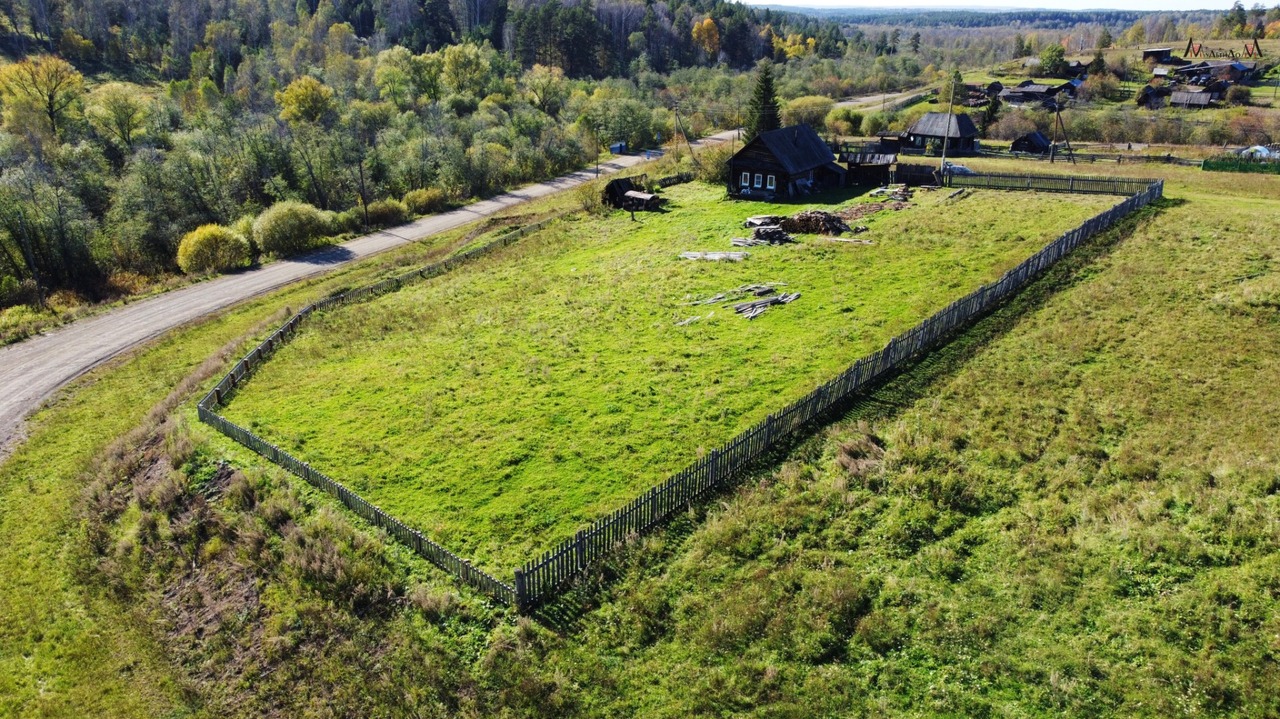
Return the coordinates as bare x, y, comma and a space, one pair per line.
290, 227
348, 221
713, 164
244, 226
212, 248
1239, 95
426, 202
384, 213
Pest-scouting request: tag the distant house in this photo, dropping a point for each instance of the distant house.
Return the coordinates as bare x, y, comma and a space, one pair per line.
1205, 71
1153, 97
1192, 100
960, 133
1032, 142
1030, 92
1162, 55
787, 162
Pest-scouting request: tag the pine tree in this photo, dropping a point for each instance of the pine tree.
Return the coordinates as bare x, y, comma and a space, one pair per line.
763, 113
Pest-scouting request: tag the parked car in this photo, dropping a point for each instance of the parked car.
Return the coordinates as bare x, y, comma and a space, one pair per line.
953, 169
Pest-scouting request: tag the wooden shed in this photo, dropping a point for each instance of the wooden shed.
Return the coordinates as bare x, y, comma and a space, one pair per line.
959, 131
627, 193
786, 162
1032, 142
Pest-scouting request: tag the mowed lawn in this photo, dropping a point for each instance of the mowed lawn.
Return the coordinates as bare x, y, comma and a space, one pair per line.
503, 406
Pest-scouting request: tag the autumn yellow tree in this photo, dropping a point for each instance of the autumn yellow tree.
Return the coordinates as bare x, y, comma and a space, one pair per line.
306, 100
118, 111
707, 36
43, 89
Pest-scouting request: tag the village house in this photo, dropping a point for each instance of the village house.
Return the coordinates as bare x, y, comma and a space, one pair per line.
1034, 143
1030, 92
786, 162
958, 130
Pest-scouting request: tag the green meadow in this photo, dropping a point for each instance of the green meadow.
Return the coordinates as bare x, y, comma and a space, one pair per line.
504, 405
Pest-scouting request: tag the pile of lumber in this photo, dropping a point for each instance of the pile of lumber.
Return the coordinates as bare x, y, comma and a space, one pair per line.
738, 293
761, 221
815, 222
715, 256
772, 234
755, 308
900, 193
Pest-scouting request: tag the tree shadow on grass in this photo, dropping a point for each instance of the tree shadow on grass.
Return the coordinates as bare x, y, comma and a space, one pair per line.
885, 401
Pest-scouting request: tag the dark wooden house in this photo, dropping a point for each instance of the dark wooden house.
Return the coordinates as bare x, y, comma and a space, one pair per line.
1033, 142
959, 131
786, 162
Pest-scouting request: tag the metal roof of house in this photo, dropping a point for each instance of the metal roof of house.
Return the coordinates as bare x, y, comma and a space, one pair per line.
1191, 98
797, 148
940, 124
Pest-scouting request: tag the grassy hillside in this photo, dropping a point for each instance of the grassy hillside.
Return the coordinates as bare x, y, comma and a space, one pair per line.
1075, 515
507, 404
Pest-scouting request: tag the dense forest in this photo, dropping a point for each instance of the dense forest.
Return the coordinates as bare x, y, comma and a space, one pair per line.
341, 108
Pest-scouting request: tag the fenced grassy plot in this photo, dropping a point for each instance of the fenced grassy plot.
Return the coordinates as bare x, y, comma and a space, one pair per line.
507, 403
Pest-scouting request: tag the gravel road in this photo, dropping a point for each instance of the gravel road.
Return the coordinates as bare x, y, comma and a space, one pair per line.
32, 370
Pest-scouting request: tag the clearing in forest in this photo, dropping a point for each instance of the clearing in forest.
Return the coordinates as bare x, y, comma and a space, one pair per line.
502, 406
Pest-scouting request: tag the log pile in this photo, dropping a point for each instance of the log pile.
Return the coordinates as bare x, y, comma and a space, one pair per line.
755, 308
715, 256
815, 222
738, 293
772, 234
761, 221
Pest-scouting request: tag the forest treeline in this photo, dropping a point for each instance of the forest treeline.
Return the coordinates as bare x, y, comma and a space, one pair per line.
128, 125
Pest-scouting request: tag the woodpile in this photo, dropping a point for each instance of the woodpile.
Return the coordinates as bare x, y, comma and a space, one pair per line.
715, 256
738, 293
755, 308
761, 221
772, 234
815, 222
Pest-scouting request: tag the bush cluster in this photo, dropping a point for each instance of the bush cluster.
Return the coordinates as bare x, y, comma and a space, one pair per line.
385, 213
287, 228
212, 248
427, 201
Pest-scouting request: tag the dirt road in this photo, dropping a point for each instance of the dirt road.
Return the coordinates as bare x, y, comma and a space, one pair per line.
32, 370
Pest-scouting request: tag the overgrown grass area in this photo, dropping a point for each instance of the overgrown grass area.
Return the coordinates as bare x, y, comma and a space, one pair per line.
504, 405
67, 647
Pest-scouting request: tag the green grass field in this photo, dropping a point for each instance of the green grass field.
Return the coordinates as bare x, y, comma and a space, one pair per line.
1075, 516
516, 399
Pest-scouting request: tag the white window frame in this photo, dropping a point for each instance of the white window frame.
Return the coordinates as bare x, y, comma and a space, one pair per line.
746, 179
759, 180
772, 183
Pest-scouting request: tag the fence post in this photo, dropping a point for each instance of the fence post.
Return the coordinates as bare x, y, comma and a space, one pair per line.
522, 596
580, 549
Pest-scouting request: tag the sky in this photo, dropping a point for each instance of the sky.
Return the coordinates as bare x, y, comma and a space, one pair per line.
1018, 4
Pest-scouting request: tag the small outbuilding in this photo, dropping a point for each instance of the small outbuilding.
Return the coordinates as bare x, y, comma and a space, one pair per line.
1163, 55
785, 162
1033, 142
1191, 100
627, 193
958, 131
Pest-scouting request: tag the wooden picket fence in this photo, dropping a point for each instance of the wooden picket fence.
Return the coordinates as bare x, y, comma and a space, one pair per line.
543, 579
412, 538
1051, 183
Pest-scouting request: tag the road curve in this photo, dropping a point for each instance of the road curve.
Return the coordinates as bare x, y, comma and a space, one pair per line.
32, 370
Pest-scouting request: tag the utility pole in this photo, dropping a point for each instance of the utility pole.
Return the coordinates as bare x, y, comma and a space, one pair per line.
951, 118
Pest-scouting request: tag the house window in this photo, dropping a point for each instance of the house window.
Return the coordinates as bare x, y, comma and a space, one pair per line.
746, 179
759, 180
773, 182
